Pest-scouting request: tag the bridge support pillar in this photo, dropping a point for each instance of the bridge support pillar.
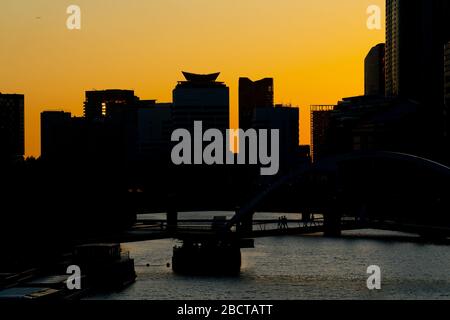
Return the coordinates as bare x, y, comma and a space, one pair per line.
332, 224
172, 220
246, 225
207, 258
306, 216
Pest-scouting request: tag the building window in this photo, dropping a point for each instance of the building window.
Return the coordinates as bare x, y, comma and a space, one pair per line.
104, 109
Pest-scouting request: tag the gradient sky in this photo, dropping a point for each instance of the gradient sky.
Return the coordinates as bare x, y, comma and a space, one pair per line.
314, 49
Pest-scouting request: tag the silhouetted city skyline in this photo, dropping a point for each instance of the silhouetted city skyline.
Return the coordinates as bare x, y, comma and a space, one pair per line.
305, 69
404, 90
131, 168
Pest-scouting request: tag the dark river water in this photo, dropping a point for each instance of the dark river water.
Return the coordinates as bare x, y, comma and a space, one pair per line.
301, 267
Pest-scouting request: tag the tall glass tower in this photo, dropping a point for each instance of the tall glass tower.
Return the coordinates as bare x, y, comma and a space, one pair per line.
416, 32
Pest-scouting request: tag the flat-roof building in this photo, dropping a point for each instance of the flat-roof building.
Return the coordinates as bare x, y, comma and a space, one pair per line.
201, 98
416, 32
12, 132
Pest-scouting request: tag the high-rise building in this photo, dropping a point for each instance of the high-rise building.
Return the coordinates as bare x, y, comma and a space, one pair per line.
12, 141
364, 123
285, 119
154, 130
108, 103
320, 122
416, 31
447, 89
55, 134
447, 73
252, 95
117, 109
201, 98
128, 129
391, 49
374, 71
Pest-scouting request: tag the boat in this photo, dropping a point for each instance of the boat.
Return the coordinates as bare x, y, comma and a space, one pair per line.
106, 265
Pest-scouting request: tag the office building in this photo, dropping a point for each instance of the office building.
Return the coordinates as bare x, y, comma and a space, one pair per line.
129, 129
117, 110
368, 123
320, 123
252, 95
68, 139
108, 103
12, 140
201, 98
447, 90
154, 131
447, 73
416, 31
374, 71
391, 48
286, 120
55, 134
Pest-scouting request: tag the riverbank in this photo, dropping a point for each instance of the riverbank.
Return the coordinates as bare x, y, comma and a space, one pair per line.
87, 269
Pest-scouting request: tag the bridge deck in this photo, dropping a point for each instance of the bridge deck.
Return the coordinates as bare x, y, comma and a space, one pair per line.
149, 229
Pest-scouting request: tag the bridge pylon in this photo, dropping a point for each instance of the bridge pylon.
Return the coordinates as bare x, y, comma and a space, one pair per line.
332, 223
211, 256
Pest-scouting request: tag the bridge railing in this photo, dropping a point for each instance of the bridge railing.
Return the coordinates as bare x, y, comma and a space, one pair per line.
209, 226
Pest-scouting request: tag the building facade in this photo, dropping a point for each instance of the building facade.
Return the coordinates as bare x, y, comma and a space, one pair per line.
67, 139
12, 132
447, 73
252, 95
55, 131
127, 129
391, 49
286, 120
154, 131
320, 123
365, 123
416, 31
374, 71
107, 103
447, 90
201, 98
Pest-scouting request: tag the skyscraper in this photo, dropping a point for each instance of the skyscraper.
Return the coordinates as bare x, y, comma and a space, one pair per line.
447, 89
154, 130
285, 119
252, 95
447, 73
201, 98
416, 31
320, 123
391, 48
12, 141
374, 71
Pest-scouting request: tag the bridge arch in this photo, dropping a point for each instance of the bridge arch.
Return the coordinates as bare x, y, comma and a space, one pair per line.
333, 166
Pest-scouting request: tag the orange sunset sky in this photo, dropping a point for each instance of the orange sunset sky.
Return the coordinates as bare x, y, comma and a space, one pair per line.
314, 49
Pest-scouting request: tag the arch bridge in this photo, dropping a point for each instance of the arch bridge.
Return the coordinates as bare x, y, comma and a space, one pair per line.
380, 189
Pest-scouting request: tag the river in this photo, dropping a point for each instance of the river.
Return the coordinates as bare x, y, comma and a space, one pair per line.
301, 267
